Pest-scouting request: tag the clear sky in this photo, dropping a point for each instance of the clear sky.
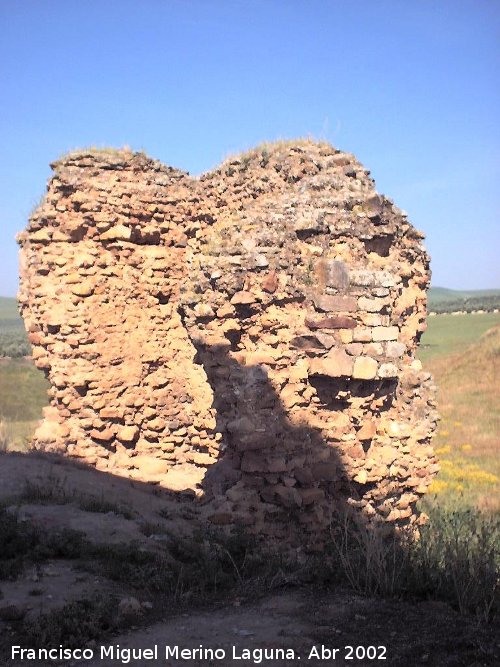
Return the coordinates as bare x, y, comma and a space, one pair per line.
410, 86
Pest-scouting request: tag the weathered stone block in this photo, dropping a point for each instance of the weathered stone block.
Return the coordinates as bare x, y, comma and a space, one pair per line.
84, 288
336, 364
385, 333
331, 302
117, 233
332, 273
373, 205
365, 368
371, 278
338, 322
361, 335
394, 349
387, 371
243, 298
372, 305
128, 433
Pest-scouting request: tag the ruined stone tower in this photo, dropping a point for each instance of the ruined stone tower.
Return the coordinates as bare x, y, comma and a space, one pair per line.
245, 339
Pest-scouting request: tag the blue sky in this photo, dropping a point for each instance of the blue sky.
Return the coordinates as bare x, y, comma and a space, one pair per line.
409, 86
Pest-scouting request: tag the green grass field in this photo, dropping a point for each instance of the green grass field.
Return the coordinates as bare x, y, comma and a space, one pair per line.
9, 314
451, 334
463, 354
13, 339
23, 394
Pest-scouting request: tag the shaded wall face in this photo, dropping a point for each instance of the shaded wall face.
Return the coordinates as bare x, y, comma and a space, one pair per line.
332, 326
248, 337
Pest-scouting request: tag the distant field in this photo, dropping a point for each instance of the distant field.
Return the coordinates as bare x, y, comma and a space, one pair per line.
13, 339
443, 300
450, 334
9, 314
440, 294
463, 354
23, 394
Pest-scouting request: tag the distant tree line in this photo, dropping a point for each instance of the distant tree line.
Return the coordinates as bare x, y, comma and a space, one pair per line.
486, 303
14, 344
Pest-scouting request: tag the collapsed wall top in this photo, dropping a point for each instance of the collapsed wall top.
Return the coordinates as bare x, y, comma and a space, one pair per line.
246, 338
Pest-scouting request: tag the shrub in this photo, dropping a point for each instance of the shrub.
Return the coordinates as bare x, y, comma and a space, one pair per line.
3, 437
14, 344
455, 559
22, 542
16, 540
184, 568
73, 625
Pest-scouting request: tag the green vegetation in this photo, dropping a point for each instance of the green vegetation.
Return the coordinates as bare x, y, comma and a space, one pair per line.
466, 376
74, 624
206, 567
24, 543
108, 151
3, 437
55, 492
207, 563
9, 314
442, 300
451, 334
14, 344
13, 339
456, 559
23, 388
23, 394
264, 151
442, 294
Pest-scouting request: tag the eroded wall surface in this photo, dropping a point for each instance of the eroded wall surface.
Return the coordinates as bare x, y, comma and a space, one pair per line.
246, 339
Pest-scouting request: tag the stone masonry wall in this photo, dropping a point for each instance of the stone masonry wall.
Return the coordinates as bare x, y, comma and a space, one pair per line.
245, 339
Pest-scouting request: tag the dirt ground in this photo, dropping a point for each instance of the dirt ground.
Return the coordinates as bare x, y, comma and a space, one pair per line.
315, 630
310, 626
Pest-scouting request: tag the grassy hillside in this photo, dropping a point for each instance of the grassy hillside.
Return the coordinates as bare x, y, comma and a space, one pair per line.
451, 334
464, 358
23, 394
13, 339
441, 294
10, 320
443, 300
